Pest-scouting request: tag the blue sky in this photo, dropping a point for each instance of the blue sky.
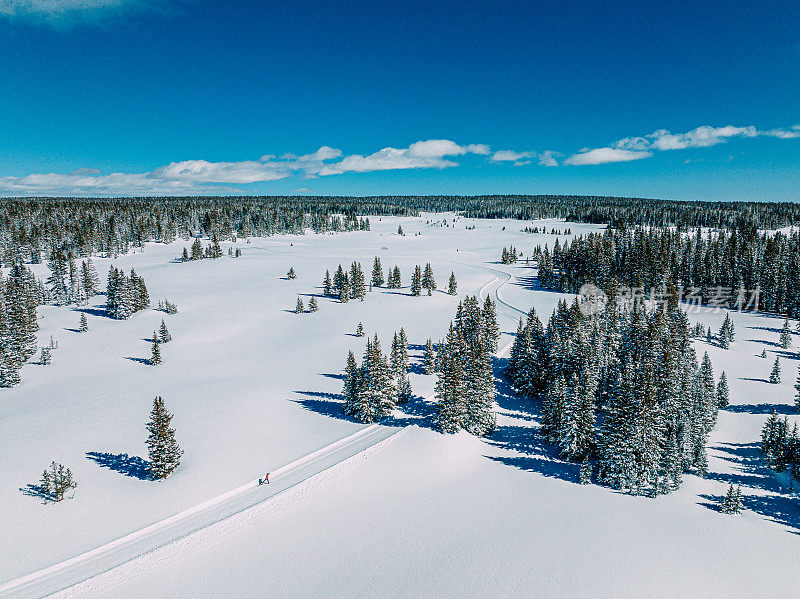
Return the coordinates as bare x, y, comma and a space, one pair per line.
652, 99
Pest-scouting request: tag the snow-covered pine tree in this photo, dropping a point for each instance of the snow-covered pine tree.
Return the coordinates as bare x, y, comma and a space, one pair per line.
428, 280
449, 389
184, 255
215, 251
491, 329
46, 357
163, 333
722, 391
377, 272
786, 335
163, 449
775, 375
291, 274
416, 281
402, 387
155, 351
797, 390
298, 307
326, 284
358, 288
763, 353
344, 292
197, 250
398, 283
429, 357
360, 330
452, 285
351, 385
83, 324
312, 304
9, 369
89, 278
57, 286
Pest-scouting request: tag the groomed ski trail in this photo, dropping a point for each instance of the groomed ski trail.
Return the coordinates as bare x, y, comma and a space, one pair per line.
103, 559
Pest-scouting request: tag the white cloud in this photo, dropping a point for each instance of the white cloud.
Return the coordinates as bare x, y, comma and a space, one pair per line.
511, 156
421, 154
701, 137
548, 158
115, 184
635, 148
792, 133
605, 156
86, 171
248, 171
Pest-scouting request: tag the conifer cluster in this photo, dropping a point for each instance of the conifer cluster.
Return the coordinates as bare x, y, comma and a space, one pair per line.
125, 295
20, 294
509, 256
622, 389
345, 285
465, 385
740, 261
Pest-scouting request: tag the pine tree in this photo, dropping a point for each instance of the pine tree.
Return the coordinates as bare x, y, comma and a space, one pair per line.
732, 504
163, 333
786, 335
360, 330
83, 324
452, 287
586, 472
56, 482
377, 272
763, 353
428, 282
299, 308
162, 447
197, 250
429, 358
351, 384
326, 284
312, 304
46, 357
416, 281
491, 328
215, 251
797, 389
291, 274
89, 278
722, 391
396, 280
155, 352
185, 255
400, 230
9, 369
775, 375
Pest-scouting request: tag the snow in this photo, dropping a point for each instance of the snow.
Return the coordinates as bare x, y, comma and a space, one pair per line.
418, 514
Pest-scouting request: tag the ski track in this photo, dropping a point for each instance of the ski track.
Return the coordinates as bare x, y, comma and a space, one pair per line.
95, 569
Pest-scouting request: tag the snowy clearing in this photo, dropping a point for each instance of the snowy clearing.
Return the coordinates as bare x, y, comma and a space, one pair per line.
255, 387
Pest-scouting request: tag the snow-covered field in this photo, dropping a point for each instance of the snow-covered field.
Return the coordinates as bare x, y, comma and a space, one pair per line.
254, 388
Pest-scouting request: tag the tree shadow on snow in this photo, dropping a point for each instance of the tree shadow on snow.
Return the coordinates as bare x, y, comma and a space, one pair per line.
140, 360
133, 466
94, 311
761, 408
538, 455
72, 330
749, 469
32, 490
415, 411
778, 508
332, 375
747, 378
